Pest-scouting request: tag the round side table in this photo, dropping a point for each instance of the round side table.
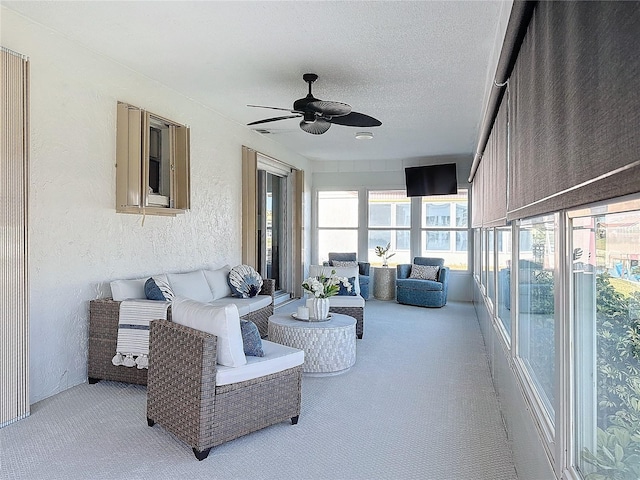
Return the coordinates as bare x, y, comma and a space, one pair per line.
384, 283
329, 346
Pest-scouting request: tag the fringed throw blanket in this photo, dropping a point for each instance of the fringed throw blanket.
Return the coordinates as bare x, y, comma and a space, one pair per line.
133, 331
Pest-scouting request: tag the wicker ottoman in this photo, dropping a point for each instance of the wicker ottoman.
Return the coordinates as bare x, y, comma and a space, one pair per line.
329, 347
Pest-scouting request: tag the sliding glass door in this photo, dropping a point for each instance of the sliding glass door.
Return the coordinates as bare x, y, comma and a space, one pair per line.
271, 235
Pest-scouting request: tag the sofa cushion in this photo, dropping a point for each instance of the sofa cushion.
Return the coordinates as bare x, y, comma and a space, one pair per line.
218, 281
276, 359
191, 285
424, 272
223, 322
317, 270
251, 341
128, 289
347, 291
244, 281
245, 305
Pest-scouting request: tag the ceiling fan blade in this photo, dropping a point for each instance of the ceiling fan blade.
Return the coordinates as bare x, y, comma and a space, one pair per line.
274, 108
356, 119
329, 109
316, 128
275, 119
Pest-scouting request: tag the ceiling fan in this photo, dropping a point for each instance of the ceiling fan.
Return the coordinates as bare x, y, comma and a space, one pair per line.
318, 115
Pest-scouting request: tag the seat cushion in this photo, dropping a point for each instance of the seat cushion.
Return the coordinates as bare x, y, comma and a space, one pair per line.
245, 305
424, 285
276, 359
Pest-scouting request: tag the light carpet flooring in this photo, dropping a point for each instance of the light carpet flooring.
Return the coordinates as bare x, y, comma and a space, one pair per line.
418, 404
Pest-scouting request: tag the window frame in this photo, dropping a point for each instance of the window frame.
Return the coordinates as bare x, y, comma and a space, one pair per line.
392, 228
423, 229
133, 132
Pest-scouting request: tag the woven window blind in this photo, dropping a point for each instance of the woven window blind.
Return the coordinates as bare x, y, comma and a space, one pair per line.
14, 324
495, 172
575, 107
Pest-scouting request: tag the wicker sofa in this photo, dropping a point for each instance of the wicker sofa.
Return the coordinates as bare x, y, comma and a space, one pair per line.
103, 333
184, 395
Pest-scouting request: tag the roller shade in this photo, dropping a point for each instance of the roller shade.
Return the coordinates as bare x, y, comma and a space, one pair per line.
495, 172
477, 197
575, 107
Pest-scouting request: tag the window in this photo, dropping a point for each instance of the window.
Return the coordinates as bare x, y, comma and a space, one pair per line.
477, 254
536, 308
606, 316
389, 222
444, 225
152, 163
491, 264
337, 222
503, 246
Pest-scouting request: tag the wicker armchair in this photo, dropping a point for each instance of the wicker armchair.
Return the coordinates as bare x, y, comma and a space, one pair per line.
182, 395
363, 268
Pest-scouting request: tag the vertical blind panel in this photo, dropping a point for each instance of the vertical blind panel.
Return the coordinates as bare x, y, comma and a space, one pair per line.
14, 334
575, 107
495, 205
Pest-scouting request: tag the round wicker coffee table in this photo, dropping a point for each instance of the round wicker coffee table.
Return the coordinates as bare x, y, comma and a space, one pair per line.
329, 347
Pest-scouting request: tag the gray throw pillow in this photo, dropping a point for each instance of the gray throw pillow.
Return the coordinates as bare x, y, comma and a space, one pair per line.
344, 263
424, 272
251, 341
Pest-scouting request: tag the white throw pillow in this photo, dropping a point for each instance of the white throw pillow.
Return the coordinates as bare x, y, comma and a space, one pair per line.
317, 270
223, 322
424, 272
128, 289
218, 282
191, 285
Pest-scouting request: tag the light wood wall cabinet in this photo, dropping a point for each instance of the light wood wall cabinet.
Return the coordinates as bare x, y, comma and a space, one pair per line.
152, 163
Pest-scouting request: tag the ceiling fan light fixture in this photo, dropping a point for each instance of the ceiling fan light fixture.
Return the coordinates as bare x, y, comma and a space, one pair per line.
364, 135
315, 128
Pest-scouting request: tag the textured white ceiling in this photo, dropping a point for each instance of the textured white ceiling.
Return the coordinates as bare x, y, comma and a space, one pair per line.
422, 68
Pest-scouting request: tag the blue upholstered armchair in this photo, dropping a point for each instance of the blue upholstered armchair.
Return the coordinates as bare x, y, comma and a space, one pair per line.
423, 293
363, 268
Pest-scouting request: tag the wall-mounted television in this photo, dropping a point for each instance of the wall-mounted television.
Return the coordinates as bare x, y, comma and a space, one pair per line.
431, 180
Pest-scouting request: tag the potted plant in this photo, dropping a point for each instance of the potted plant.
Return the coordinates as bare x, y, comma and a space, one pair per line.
383, 252
322, 288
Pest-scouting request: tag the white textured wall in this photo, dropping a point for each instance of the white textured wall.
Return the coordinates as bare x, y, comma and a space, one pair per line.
77, 241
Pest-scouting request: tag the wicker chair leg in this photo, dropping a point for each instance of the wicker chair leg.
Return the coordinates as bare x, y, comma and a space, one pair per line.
201, 455
294, 420
93, 380
150, 422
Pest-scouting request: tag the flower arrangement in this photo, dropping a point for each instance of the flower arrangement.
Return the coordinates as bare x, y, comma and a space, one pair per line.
383, 252
325, 286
